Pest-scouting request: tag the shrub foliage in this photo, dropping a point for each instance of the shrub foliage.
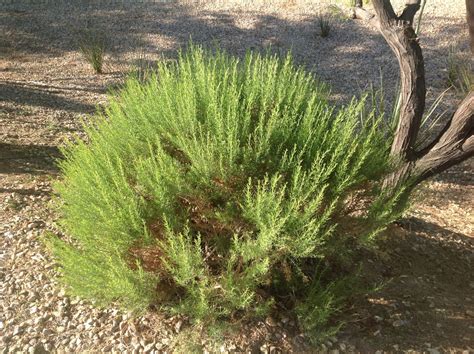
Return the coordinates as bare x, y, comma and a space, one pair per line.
215, 189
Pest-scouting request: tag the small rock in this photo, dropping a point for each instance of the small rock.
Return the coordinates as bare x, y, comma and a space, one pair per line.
149, 348
399, 323
177, 326
17, 330
433, 351
470, 313
38, 349
47, 332
270, 321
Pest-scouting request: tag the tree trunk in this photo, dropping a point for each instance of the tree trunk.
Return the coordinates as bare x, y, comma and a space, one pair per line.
470, 21
455, 143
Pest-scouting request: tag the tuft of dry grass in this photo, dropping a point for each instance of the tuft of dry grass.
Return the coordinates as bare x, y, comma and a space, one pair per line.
92, 44
460, 71
324, 22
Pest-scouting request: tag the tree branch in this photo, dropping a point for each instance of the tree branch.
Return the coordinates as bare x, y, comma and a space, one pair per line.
453, 146
403, 42
362, 14
455, 143
411, 8
470, 21
384, 10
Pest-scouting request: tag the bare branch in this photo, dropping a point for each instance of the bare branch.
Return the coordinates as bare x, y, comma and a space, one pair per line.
411, 8
362, 14
404, 44
453, 146
470, 21
456, 143
384, 10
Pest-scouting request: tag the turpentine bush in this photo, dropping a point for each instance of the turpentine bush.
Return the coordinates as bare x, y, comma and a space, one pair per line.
215, 189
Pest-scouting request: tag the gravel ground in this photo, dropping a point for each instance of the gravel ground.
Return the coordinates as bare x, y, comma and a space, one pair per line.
46, 88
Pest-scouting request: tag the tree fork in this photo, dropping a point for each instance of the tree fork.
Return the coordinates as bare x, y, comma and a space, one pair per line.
455, 143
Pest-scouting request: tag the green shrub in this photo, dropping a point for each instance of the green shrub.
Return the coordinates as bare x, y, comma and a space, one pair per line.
215, 188
92, 45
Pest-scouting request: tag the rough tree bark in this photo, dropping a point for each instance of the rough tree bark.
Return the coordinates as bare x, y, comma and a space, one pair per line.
470, 21
455, 142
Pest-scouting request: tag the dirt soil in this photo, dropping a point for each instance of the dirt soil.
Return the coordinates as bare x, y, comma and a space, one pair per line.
425, 261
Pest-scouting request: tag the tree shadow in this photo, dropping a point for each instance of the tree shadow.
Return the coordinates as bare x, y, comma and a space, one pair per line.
425, 298
43, 96
461, 174
351, 50
32, 159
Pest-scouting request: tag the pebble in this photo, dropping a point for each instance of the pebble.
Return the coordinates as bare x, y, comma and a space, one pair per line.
270, 321
378, 318
33, 310
17, 330
433, 351
177, 326
399, 323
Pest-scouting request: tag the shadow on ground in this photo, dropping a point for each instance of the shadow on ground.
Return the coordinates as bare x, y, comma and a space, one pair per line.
31, 159
42, 96
426, 297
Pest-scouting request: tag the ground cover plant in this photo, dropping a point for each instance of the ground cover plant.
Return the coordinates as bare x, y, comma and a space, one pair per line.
221, 189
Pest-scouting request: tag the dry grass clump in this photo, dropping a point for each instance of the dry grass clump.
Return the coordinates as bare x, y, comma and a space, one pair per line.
460, 71
92, 43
